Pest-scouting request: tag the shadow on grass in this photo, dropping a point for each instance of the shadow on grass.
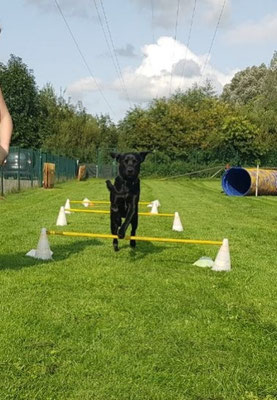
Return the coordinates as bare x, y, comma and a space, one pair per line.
17, 261
142, 249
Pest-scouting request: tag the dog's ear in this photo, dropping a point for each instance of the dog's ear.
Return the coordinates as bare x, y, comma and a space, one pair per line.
143, 154
116, 156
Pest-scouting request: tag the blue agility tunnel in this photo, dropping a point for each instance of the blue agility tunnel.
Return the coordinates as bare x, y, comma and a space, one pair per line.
238, 181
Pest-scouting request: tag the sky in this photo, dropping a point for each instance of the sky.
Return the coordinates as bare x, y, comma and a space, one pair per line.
113, 55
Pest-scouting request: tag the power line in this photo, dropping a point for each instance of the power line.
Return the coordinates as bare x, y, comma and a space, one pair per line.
214, 35
152, 20
113, 47
188, 41
83, 57
107, 42
175, 38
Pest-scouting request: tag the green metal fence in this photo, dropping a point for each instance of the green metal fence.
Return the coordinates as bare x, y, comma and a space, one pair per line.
24, 168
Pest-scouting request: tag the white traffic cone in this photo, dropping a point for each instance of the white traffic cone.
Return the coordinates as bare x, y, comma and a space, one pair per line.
154, 202
61, 220
154, 209
222, 261
157, 202
177, 224
86, 202
67, 207
43, 251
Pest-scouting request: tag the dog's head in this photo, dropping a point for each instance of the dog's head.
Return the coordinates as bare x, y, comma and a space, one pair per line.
129, 163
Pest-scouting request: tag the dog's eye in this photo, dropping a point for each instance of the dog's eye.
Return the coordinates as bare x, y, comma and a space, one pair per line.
132, 162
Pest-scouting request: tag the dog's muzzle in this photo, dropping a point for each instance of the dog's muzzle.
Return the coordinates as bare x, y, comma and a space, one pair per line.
130, 172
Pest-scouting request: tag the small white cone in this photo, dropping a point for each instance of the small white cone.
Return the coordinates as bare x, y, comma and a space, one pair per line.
157, 202
154, 202
67, 207
154, 209
61, 220
223, 261
43, 251
177, 224
86, 202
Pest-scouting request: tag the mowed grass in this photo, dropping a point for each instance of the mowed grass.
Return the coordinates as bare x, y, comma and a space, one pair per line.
145, 323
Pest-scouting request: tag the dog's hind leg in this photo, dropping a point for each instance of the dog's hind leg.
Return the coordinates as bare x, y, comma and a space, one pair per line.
134, 224
115, 224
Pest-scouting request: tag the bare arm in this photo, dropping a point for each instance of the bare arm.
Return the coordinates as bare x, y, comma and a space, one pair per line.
6, 127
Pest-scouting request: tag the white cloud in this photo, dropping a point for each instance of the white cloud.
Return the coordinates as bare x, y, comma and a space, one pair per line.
187, 68
77, 90
166, 67
254, 32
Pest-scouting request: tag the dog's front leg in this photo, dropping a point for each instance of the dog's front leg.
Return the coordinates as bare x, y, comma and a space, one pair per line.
131, 212
115, 224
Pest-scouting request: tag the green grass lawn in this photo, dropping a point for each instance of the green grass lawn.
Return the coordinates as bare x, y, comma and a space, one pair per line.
140, 324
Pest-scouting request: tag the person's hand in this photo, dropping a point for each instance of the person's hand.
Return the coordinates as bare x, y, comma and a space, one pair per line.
3, 155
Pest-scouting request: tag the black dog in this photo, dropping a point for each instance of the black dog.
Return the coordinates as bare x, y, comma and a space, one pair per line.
124, 195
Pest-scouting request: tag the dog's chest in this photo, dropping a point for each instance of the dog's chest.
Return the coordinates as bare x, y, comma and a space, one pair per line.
126, 193
125, 189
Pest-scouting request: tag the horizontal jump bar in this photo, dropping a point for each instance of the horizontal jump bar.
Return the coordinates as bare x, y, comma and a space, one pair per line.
139, 238
100, 202
108, 212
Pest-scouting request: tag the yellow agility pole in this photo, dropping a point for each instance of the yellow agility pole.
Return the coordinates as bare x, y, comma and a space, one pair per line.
108, 212
139, 238
92, 202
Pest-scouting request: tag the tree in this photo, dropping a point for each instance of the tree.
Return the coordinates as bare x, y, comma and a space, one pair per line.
273, 62
75, 133
245, 86
47, 115
240, 140
263, 110
21, 94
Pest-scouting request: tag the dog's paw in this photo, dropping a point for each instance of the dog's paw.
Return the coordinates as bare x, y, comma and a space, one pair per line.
133, 244
109, 185
121, 233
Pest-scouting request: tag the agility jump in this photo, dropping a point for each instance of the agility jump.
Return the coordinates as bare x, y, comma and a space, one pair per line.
108, 212
92, 202
138, 238
43, 252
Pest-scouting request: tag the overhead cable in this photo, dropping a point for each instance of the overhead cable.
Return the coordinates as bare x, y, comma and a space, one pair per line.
152, 20
175, 38
214, 35
108, 43
83, 57
115, 55
188, 41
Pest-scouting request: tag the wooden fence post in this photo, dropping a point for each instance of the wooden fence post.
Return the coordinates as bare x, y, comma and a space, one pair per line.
48, 175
